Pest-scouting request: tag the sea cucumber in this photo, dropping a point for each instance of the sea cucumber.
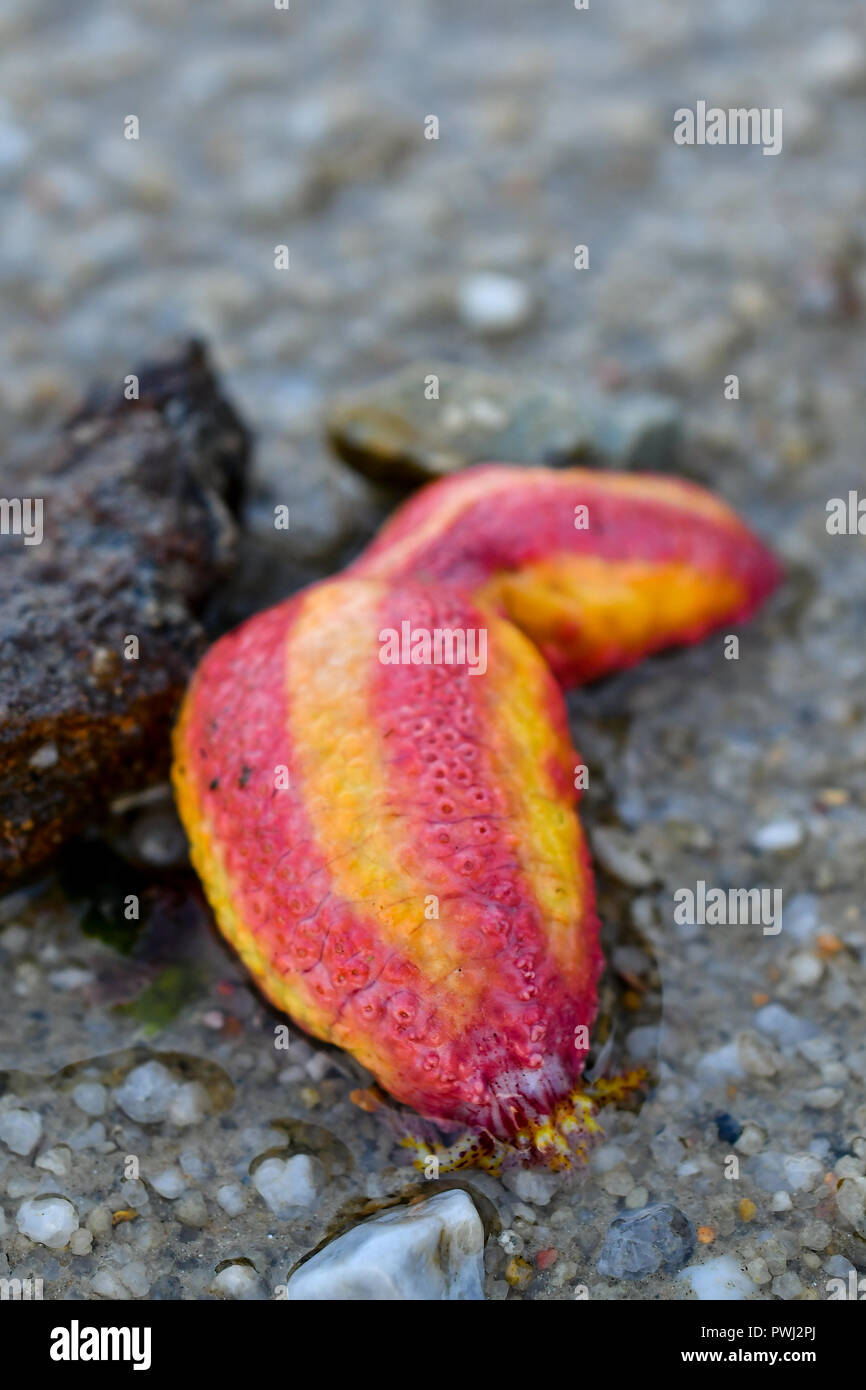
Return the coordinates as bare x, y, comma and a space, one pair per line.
393, 846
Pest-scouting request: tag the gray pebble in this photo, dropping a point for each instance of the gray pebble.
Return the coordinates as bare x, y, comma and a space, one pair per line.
639, 1244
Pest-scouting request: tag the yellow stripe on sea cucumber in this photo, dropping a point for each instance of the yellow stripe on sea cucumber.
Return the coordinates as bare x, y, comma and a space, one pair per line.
343, 786
526, 746
610, 603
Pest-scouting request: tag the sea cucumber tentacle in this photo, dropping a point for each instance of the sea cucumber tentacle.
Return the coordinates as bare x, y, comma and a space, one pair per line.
559, 1140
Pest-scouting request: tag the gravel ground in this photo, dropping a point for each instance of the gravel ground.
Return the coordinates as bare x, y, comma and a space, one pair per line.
306, 128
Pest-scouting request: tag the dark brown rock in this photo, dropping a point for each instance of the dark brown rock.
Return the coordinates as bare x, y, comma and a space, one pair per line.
139, 504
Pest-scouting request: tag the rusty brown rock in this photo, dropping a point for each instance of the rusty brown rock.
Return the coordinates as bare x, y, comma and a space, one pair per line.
138, 519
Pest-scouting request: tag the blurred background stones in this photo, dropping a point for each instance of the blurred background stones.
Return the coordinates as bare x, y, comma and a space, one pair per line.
408, 256
434, 418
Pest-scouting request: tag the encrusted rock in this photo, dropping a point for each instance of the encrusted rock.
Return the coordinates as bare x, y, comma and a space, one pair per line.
123, 529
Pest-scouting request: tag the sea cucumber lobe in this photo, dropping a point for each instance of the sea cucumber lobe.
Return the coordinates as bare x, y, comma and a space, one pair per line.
393, 847
599, 569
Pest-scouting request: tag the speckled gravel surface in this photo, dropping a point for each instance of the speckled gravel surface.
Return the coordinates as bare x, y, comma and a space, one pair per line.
154, 1142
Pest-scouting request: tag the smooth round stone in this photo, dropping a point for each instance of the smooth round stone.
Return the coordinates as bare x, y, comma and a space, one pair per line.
50, 1221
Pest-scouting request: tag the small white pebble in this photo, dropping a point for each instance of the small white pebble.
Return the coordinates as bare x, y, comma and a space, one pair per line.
231, 1198
288, 1183
783, 1026
722, 1279
134, 1277
757, 1271
688, 1168
815, 1235
802, 917
643, 1043
170, 1183
147, 1093
21, 1130
849, 1167
81, 1241
525, 1213
489, 303
130, 1192
289, 1075
191, 1209
804, 1172
98, 1220
237, 1281
778, 836
721, 1064
787, 1285
48, 1220
825, 1098
817, 1050
106, 1283
751, 1140
91, 1138
607, 1157
57, 1160
189, 1105
90, 1097
192, 1164
851, 1203
23, 1186
318, 1066
531, 1185
615, 851
781, 1201
755, 1055
637, 1198
45, 757
618, 1183
804, 969
72, 977
834, 1074
511, 1242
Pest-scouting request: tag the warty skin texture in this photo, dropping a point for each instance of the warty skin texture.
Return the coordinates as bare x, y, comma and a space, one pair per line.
406, 784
